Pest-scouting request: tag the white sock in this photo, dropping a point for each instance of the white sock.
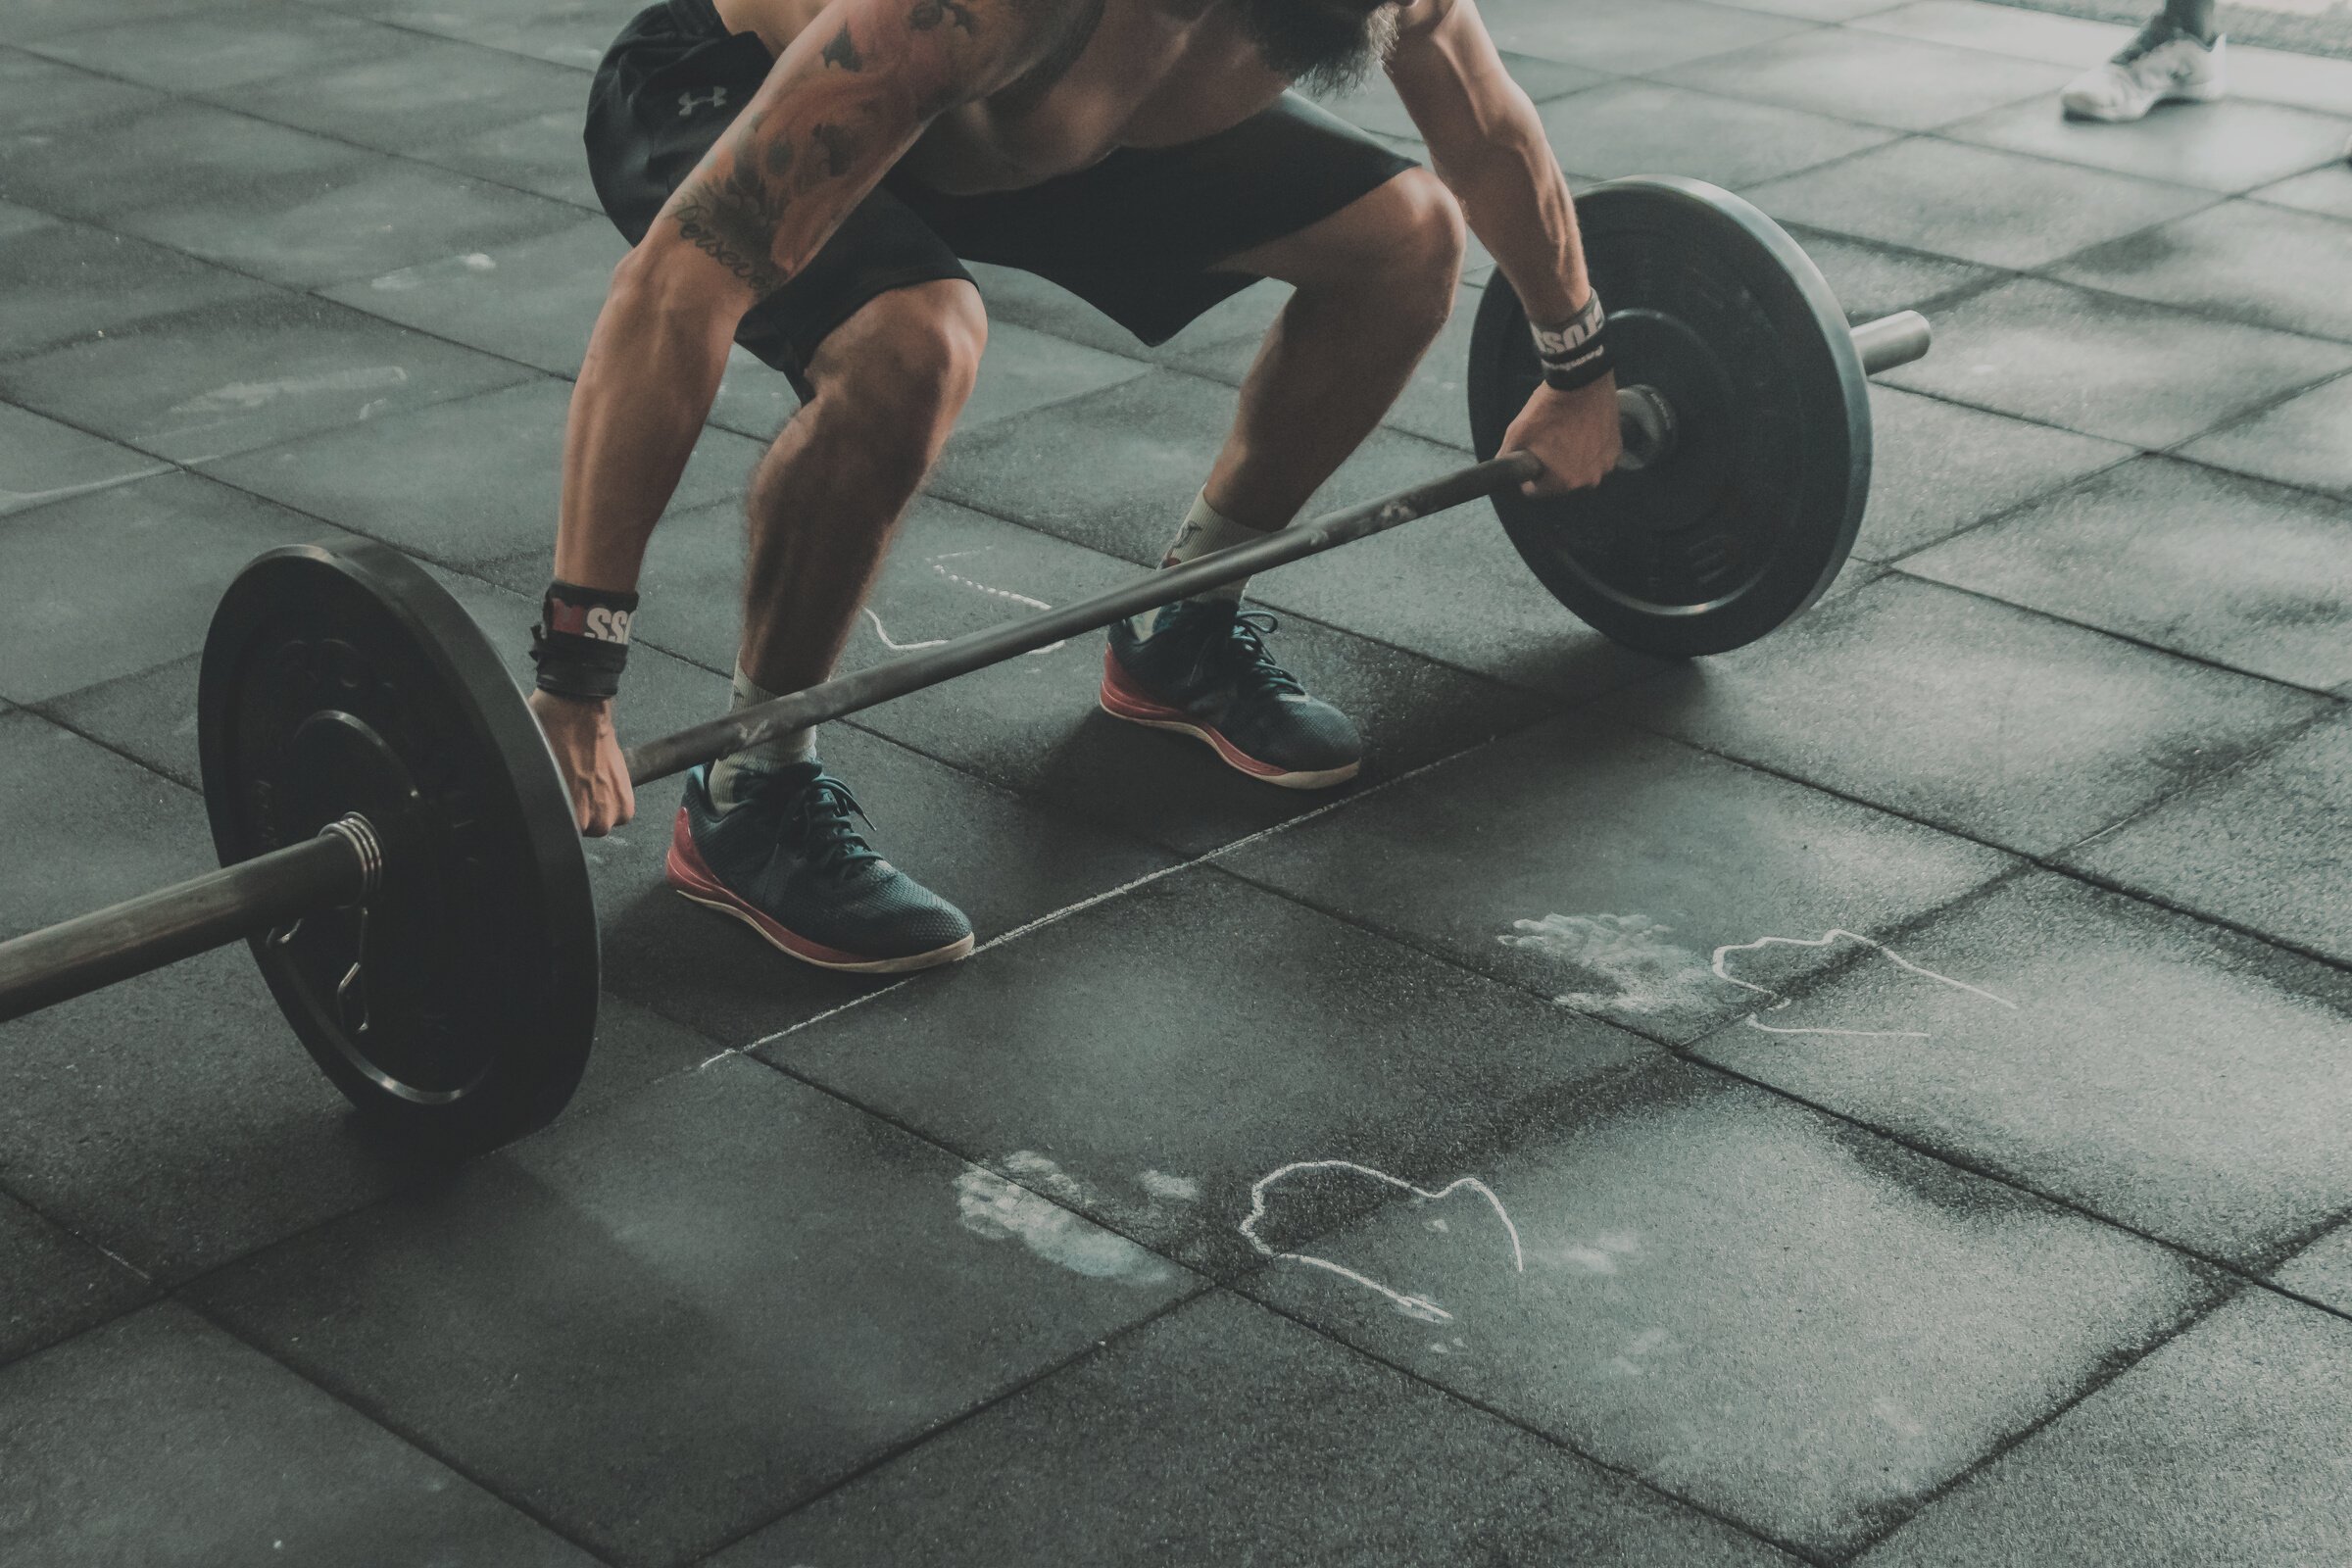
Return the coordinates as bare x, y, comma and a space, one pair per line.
1205, 530
768, 757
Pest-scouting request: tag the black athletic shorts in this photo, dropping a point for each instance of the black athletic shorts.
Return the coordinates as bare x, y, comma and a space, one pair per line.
1137, 235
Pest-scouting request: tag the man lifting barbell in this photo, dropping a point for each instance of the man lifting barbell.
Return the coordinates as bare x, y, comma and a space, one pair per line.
807, 179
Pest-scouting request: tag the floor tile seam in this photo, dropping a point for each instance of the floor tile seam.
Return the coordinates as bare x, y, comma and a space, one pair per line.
343, 142
1531, 1428
2061, 859
400, 1431
2013, 510
1207, 858
2108, 1371
2048, 273
2050, 862
2243, 1275
2235, 91
401, 26
2214, 195
2201, 660
1554, 700
2251, 414
1657, 76
893, 1452
365, 18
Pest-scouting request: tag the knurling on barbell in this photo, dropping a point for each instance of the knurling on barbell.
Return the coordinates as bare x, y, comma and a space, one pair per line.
399, 851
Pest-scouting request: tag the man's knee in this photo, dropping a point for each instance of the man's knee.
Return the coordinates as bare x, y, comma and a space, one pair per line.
1415, 261
907, 360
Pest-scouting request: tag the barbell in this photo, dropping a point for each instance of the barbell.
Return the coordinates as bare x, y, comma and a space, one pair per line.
399, 851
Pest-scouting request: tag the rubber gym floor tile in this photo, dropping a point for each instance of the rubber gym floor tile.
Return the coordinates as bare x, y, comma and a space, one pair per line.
125, 578
756, 399
176, 1119
1869, 78
2110, 366
2263, 847
1602, 867
1317, 1041
1940, 468
1872, 280
381, 217
39, 98
2175, 1078
1809, 10
1605, 35
173, 153
47, 463
2204, 563
2004, 29
1434, 403
2230, 146
2306, 440
53, 1285
2325, 191
463, 483
44, 18
540, 153
1642, 127
15, 221
1023, 370
1986, 719
249, 374
408, 87
2323, 1271
162, 1439
1024, 299
2246, 261
534, 300
1220, 1435
723, 1296
1995, 208
1638, 1304
222, 48
569, 33
54, 786
1150, 445
63, 280
2306, 80
2227, 1447
1452, 589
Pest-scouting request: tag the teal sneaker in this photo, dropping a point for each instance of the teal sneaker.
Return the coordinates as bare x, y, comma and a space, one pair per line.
789, 862
1203, 672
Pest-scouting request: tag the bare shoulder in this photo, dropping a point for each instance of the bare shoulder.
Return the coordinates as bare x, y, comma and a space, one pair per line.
1416, 19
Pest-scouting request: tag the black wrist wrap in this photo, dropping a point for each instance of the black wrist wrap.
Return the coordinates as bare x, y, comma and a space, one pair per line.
581, 643
1577, 355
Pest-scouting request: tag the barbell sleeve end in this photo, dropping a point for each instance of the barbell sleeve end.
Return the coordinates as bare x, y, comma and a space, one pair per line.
1893, 340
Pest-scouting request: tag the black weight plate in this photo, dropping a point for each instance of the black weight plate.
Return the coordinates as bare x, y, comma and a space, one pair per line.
1746, 523
344, 679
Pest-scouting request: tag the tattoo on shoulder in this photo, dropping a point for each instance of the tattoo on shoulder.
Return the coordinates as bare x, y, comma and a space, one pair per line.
930, 14
843, 51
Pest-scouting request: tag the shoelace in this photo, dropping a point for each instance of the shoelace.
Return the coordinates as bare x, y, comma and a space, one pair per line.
1242, 655
819, 821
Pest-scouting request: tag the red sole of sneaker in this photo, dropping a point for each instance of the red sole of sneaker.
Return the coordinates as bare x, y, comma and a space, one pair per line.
685, 871
1122, 701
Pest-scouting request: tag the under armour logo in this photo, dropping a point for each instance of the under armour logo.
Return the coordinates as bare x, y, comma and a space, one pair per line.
689, 102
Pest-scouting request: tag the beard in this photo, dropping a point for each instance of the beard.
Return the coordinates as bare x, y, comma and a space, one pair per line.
1325, 46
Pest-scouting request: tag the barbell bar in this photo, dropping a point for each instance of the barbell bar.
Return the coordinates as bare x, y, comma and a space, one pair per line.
400, 851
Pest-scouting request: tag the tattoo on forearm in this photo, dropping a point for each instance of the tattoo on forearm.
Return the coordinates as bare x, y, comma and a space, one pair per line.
930, 14
840, 146
843, 51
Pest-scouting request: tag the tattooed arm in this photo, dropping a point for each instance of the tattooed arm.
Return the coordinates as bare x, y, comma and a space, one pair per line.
842, 104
